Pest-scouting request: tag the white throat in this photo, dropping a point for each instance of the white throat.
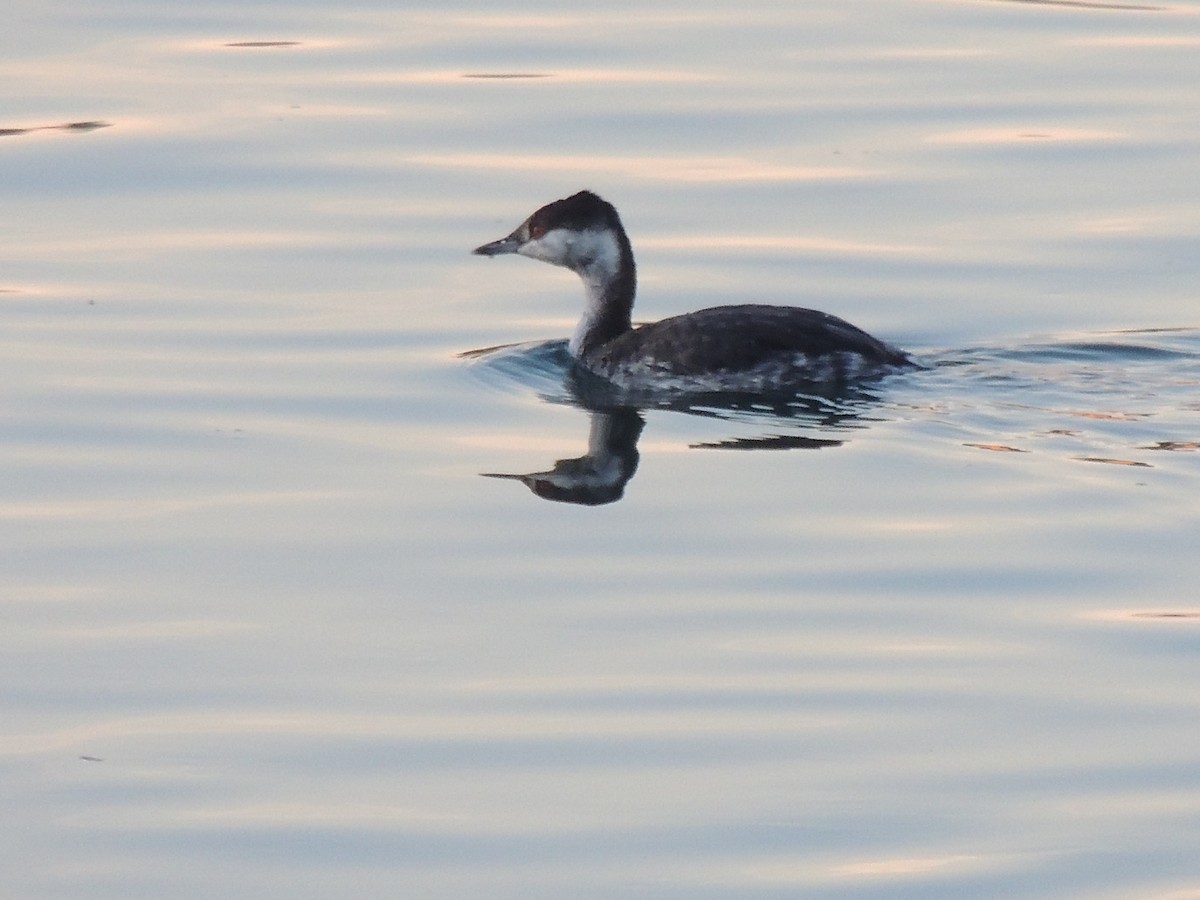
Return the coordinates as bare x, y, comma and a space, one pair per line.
595, 293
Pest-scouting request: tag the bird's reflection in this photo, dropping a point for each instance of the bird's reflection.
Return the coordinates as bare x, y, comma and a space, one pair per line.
617, 419
600, 475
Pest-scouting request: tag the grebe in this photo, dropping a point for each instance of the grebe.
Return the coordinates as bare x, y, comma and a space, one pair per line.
724, 348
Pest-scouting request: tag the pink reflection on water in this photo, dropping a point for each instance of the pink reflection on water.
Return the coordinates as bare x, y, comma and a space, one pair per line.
1033, 133
680, 168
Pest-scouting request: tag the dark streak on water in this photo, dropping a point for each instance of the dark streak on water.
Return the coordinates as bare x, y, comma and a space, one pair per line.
78, 127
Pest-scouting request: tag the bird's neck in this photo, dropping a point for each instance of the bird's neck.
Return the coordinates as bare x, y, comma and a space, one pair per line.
609, 284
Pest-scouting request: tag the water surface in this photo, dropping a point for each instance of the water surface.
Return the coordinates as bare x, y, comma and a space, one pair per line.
268, 632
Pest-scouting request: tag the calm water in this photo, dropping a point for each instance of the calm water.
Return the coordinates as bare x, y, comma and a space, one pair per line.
267, 632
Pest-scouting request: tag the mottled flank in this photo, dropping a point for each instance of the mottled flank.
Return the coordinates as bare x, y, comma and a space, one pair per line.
743, 348
776, 373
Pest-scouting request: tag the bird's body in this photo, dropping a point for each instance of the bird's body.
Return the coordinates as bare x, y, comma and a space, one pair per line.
750, 347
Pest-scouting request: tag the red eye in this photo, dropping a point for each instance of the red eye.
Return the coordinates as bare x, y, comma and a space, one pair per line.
536, 231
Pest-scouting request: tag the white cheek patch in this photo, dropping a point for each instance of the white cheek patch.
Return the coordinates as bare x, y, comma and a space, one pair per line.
553, 247
592, 252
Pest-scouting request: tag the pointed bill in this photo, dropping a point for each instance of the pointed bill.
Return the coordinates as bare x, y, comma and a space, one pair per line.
508, 244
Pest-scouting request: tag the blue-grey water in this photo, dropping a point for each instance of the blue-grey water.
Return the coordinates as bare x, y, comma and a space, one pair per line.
266, 631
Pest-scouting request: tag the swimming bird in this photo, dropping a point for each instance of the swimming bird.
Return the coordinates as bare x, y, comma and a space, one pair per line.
750, 347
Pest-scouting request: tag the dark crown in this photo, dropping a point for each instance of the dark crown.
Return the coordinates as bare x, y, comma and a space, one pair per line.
580, 212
